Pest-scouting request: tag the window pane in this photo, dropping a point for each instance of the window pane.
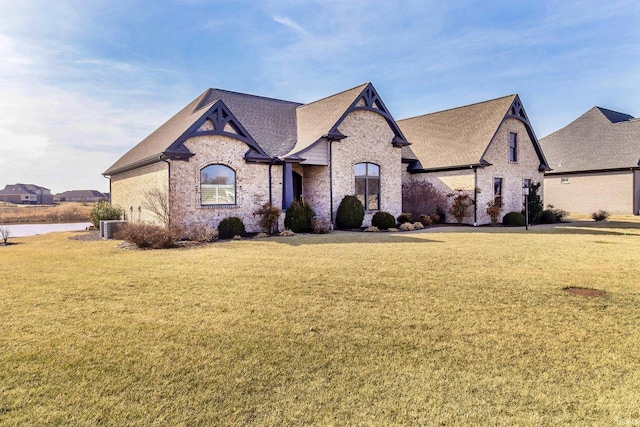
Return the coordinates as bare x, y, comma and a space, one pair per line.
217, 185
360, 169
373, 170
374, 191
361, 186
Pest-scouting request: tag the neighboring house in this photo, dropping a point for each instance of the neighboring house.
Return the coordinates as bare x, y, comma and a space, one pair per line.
85, 196
596, 164
26, 194
227, 153
488, 150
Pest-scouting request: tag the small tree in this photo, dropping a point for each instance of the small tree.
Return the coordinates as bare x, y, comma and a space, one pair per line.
4, 234
493, 210
157, 201
422, 197
460, 204
105, 211
535, 205
269, 216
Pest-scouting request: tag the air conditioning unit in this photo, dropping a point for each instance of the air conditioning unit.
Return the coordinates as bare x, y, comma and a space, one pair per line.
109, 228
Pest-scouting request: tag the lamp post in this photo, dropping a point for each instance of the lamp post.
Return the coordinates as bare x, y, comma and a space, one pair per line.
525, 193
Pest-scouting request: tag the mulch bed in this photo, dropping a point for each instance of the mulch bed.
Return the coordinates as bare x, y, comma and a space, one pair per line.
87, 236
585, 292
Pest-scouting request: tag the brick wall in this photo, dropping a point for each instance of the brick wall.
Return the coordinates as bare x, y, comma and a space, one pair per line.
128, 190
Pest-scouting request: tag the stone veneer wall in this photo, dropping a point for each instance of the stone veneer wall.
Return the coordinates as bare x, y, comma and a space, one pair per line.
128, 190
513, 174
252, 183
590, 192
368, 140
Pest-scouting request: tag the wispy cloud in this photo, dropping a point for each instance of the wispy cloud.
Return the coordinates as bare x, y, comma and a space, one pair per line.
290, 24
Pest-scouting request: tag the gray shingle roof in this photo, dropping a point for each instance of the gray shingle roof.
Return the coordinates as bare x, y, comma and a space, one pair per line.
279, 127
599, 139
455, 137
81, 194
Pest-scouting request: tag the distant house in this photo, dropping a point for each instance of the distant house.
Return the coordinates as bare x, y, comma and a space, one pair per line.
227, 153
489, 150
26, 194
85, 196
595, 163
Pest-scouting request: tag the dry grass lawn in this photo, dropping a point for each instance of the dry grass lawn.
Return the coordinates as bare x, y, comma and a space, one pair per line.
428, 328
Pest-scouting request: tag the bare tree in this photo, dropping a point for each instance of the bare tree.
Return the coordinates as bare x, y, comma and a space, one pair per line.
157, 201
4, 234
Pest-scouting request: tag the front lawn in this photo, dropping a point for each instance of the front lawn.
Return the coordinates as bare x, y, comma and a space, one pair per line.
471, 327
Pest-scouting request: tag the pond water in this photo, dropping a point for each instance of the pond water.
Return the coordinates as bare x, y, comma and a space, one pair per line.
23, 230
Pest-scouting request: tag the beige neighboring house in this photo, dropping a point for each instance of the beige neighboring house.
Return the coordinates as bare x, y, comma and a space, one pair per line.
488, 150
227, 153
596, 164
84, 196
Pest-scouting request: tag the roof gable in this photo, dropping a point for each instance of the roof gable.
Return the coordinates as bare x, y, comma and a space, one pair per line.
460, 137
322, 118
600, 139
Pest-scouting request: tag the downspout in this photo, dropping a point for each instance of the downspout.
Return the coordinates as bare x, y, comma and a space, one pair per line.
168, 186
270, 185
475, 196
331, 181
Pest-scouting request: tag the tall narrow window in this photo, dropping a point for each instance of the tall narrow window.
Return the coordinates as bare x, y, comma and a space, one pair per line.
217, 185
513, 147
368, 185
497, 191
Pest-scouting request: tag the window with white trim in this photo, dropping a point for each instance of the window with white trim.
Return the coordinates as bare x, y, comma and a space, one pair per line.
217, 185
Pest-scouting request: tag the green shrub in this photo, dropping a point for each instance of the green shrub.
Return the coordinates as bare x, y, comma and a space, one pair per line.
231, 227
269, 216
547, 217
535, 204
601, 215
350, 213
558, 213
105, 211
426, 220
514, 218
383, 220
145, 235
404, 217
299, 217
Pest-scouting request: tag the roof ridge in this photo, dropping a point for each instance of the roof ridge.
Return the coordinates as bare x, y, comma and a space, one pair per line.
335, 94
255, 96
457, 108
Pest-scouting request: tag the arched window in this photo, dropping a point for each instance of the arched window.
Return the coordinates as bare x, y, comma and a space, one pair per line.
217, 185
368, 185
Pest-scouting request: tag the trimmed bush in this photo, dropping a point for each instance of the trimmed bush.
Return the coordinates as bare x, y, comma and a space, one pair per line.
145, 235
436, 218
404, 217
547, 217
105, 211
350, 213
201, 232
601, 215
299, 217
231, 227
383, 220
514, 218
426, 220
418, 225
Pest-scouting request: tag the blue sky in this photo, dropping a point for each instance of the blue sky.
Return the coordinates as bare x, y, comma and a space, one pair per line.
82, 82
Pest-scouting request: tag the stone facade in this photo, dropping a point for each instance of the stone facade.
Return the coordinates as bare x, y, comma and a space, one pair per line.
128, 190
252, 183
590, 192
368, 140
513, 174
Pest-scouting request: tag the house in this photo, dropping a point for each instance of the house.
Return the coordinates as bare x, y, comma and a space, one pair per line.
84, 196
488, 150
26, 194
596, 164
227, 153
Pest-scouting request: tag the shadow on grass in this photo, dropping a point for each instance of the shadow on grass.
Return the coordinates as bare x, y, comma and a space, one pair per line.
342, 237
602, 228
